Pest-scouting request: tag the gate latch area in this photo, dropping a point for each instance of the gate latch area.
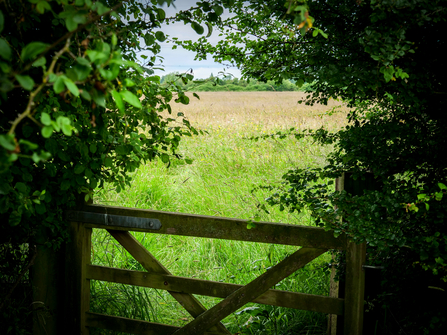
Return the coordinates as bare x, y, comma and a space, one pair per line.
114, 220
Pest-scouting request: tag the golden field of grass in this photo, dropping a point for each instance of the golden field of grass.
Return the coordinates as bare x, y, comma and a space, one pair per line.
267, 110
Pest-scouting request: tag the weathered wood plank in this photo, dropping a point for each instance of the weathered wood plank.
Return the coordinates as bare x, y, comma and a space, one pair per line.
355, 288
227, 228
333, 320
333, 293
131, 326
209, 288
77, 293
250, 291
150, 263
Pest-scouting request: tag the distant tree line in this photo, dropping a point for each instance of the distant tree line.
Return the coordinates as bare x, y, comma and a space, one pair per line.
229, 83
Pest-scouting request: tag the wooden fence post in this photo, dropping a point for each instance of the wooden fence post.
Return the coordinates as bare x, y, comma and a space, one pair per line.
77, 295
353, 291
335, 322
45, 278
354, 288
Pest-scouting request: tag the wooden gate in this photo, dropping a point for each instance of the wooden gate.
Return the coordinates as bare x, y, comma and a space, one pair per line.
119, 221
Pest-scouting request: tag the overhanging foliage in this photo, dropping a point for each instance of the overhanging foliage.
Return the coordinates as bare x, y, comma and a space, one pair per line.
385, 59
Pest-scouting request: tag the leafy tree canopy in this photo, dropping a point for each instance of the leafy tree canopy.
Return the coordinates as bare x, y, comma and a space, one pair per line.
385, 58
77, 110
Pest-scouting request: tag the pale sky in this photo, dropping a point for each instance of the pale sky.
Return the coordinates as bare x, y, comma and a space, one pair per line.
181, 60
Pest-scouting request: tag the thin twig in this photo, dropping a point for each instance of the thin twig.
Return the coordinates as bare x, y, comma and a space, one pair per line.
33, 94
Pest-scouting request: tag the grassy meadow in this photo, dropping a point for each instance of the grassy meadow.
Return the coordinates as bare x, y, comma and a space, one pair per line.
226, 168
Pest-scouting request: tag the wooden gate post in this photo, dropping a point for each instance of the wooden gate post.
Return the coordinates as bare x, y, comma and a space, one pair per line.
77, 297
335, 322
355, 288
46, 276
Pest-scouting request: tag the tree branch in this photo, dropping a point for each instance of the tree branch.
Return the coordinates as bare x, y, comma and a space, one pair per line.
33, 94
70, 33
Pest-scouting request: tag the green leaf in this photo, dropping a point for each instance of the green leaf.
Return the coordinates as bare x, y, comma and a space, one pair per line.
101, 9
5, 50
128, 82
32, 50
21, 187
299, 82
82, 71
159, 35
40, 62
197, 28
108, 162
88, 173
114, 39
85, 95
42, 5
47, 131
121, 150
83, 61
218, 9
93, 183
45, 119
7, 142
251, 225
6, 69
13, 157
99, 99
79, 169
67, 129
14, 218
25, 81
442, 186
155, 79
131, 98
210, 29
118, 100
164, 158
71, 86
65, 185
40, 208
161, 15
59, 85
30, 145
93, 148
149, 39
55, 125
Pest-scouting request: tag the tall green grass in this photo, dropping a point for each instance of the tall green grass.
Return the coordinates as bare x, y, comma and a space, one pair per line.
219, 182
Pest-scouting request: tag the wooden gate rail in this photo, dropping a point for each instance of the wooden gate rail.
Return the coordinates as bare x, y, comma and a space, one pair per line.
119, 221
214, 289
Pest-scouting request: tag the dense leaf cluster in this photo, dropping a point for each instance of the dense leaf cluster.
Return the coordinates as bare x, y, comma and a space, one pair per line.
385, 59
77, 111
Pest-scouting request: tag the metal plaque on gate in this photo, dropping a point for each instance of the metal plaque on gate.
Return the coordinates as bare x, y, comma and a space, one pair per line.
114, 220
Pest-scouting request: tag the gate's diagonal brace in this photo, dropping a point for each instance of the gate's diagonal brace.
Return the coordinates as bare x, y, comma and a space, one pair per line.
250, 291
150, 263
